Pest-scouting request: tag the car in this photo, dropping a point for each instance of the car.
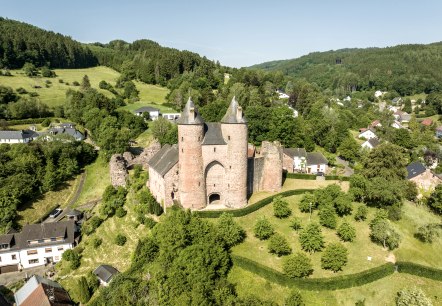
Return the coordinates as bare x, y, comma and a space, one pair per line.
319, 173
55, 213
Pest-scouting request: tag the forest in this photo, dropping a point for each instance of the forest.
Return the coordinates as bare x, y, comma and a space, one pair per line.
407, 69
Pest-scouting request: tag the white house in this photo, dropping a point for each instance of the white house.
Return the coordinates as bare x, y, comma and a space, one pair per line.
23, 136
154, 113
282, 95
36, 245
294, 159
397, 125
367, 134
347, 98
378, 93
171, 116
370, 144
316, 162
62, 131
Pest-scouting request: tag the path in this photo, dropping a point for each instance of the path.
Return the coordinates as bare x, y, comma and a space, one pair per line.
12, 277
71, 201
347, 170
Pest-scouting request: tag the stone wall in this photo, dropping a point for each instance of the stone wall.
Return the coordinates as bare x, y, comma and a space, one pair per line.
267, 168
287, 163
118, 170
144, 157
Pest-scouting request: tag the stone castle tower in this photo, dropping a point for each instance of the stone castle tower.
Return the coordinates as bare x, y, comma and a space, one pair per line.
212, 158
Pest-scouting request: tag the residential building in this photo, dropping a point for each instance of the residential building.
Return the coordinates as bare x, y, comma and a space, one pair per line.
282, 94
105, 273
439, 132
397, 125
367, 133
36, 245
424, 178
370, 143
376, 123
39, 291
171, 116
294, 159
316, 162
62, 130
396, 100
153, 112
12, 137
427, 122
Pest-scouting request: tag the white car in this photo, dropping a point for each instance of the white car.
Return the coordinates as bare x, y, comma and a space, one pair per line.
55, 213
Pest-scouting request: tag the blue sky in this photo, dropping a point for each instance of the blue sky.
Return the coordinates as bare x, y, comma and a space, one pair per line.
239, 33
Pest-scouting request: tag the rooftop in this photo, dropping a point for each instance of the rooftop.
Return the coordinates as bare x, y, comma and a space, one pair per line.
146, 109
38, 290
164, 159
190, 114
24, 134
316, 158
234, 113
414, 169
213, 134
295, 152
105, 272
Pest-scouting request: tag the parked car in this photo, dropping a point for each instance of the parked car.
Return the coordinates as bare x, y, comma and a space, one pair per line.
320, 173
55, 213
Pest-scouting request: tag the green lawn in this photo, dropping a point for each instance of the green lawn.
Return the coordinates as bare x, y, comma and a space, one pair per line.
380, 292
97, 179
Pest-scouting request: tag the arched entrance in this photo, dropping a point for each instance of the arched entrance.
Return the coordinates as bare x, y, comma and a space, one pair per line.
214, 198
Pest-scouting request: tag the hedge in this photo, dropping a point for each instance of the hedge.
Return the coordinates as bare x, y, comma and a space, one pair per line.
336, 178
26, 121
333, 283
419, 270
252, 208
302, 176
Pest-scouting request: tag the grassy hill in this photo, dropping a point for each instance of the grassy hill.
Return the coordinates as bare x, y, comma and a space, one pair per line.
408, 69
56, 92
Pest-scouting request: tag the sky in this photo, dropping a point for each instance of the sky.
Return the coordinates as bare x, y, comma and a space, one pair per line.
238, 33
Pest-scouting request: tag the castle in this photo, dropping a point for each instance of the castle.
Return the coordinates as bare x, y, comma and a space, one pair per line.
213, 163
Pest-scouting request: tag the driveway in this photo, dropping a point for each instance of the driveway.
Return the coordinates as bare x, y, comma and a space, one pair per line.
12, 277
347, 170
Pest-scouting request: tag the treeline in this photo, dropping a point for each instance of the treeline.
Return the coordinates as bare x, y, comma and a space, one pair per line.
27, 170
407, 69
21, 43
149, 62
16, 105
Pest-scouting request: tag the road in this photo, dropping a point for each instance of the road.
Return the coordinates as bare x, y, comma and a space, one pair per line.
347, 170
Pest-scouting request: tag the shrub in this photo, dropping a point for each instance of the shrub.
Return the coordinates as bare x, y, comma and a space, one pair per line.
229, 230
46, 122
278, 245
412, 297
395, 212
296, 224
343, 205
263, 229
120, 212
75, 83
72, 257
149, 222
60, 81
280, 208
294, 299
327, 217
346, 232
308, 202
22, 91
96, 242
334, 257
427, 233
297, 265
84, 294
120, 239
33, 94
311, 238
91, 225
383, 233
361, 213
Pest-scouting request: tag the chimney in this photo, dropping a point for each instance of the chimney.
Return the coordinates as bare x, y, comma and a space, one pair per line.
239, 113
192, 114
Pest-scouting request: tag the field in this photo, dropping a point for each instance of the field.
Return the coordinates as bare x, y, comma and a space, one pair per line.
55, 95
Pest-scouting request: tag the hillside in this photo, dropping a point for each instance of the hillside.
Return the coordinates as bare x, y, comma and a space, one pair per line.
408, 69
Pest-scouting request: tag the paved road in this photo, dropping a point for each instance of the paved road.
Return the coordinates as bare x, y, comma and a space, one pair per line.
347, 170
71, 201
12, 277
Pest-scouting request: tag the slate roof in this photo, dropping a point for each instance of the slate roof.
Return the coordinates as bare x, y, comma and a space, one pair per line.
213, 134
24, 134
414, 169
231, 114
74, 212
6, 239
295, 152
374, 142
164, 159
34, 292
105, 272
67, 131
146, 109
186, 118
316, 158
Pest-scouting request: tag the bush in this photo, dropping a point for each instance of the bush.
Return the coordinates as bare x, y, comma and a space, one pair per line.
395, 212
311, 238
296, 223
278, 245
149, 222
361, 213
327, 217
60, 81
343, 205
427, 233
412, 297
96, 242
46, 123
22, 91
84, 294
294, 299
263, 229
383, 233
281, 208
120, 239
72, 257
120, 212
229, 230
297, 265
75, 83
308, 203
334, 257
346, 232
91, 225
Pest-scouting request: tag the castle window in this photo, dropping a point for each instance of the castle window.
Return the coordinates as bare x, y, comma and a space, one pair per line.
199, 138
214, 149
228, 137
230, 167
199, 184
182, 138
228, 185
213, 185
182, 150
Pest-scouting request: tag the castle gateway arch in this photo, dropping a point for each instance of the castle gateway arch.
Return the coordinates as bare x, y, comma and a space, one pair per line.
215, 175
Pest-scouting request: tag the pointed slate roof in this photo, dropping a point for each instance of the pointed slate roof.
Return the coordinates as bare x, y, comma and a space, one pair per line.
187, 117
213, 134
164, 159
231, 114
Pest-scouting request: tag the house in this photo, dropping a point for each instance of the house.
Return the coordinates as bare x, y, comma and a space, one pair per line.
396, 100
36, 245
347, 99
397, 125
378, 93
282, 94
153, 112
295, 112
439, 132
105, 273
171, 116
367, 133
12, 137
294, 159
42, 292
74, 214
402, 116
316, 162
424, 178
427, 122
376, 123
62, 130
371, 143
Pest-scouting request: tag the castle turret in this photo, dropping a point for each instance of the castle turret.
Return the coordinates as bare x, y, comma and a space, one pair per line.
191, 175
234, 129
